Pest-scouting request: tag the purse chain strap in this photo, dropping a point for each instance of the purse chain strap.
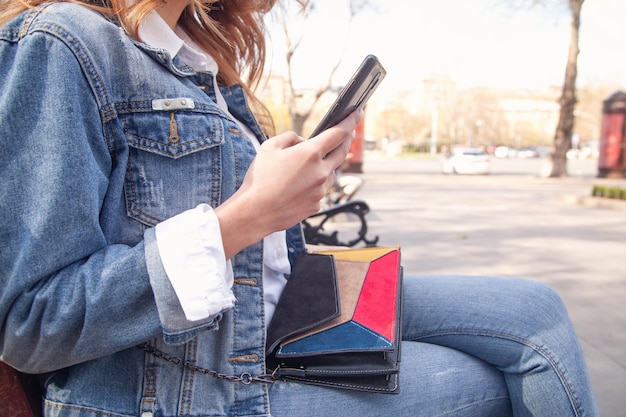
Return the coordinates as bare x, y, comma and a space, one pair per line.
245, 378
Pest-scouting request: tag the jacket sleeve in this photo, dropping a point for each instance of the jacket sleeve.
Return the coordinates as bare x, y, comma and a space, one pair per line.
67, 293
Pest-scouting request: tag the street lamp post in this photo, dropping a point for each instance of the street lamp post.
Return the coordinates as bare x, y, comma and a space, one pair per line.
434, 124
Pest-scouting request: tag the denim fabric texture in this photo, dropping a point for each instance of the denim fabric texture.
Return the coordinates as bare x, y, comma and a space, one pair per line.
103, 138
97, 159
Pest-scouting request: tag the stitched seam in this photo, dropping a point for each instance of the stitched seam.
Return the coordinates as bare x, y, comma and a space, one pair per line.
107, 111
84, 409
325, 382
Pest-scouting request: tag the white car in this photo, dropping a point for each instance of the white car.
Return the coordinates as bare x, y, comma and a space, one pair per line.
466, 161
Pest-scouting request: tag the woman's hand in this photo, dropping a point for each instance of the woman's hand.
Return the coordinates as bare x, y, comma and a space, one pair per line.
284, 184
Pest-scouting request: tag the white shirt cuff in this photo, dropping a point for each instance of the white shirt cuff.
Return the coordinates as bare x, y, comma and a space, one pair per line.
192, 253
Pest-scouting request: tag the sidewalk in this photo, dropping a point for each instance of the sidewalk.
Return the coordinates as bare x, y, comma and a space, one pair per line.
514, 223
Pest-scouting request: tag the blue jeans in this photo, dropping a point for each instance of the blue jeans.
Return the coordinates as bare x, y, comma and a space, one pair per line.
473, 346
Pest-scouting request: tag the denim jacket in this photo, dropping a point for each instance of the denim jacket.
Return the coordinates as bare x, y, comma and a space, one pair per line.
102, 138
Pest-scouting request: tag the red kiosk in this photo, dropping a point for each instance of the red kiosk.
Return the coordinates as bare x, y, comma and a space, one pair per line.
612, 158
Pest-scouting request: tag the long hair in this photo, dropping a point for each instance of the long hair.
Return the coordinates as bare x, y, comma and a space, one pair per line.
231, 31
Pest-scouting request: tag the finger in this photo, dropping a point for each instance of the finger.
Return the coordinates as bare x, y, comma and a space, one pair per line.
338, 155
332, 137
331, 180
284, 140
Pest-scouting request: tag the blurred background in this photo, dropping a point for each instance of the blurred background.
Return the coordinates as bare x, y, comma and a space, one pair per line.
486, 73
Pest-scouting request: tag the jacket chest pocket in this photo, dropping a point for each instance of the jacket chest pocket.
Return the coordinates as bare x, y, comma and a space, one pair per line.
173, 164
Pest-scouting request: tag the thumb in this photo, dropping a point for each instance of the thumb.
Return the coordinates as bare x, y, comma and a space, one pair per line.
284, 140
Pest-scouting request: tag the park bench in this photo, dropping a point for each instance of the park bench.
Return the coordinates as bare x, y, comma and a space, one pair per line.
342, 224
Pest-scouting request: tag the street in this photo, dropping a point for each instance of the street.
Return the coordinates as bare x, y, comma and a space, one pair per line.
515, 223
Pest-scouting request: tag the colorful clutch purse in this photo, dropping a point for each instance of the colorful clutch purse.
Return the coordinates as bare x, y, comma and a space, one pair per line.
337, 322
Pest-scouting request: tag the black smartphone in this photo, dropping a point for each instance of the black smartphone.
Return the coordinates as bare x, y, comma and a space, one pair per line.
355, 94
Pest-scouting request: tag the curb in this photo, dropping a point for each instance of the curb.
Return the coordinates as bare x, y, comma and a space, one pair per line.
596, 202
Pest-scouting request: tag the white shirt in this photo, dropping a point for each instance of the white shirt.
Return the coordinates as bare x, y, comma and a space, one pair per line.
190, 243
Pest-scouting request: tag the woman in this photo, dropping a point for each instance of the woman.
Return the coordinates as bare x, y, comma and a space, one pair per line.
140, 209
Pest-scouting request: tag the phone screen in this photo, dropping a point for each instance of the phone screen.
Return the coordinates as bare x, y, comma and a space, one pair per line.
355, 94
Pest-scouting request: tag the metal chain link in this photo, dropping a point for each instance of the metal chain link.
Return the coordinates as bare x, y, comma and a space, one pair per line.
245, 378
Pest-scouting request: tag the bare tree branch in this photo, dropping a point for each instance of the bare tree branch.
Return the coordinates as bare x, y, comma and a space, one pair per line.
300, 113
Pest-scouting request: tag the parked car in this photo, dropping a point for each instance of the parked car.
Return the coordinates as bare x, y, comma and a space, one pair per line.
503, 152
466, 161
528, 152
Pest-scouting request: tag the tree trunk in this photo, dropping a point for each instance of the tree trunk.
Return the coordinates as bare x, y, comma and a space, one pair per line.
565, 127
297, 122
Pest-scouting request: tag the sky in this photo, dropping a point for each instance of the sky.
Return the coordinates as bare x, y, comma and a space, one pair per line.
475, 42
